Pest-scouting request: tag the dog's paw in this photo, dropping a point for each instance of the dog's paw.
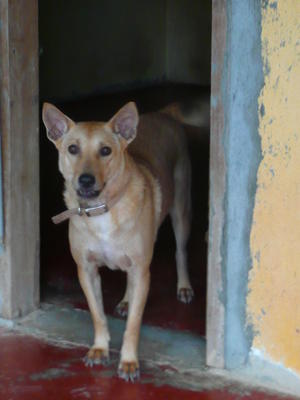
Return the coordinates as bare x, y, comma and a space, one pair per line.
185, 295
129, 371
122, 309
96, 356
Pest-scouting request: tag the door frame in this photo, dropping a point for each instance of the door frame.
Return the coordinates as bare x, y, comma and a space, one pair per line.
215, 307
19, 129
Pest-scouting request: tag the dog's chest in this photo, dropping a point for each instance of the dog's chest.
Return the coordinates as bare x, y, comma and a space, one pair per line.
106, 243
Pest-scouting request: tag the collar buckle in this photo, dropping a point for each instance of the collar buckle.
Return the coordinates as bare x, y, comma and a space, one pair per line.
92, 211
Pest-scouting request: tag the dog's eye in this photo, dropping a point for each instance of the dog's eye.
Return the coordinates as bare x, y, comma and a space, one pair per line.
105, 151
73, 149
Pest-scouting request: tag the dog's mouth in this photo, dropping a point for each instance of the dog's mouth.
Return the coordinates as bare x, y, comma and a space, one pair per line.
86, 193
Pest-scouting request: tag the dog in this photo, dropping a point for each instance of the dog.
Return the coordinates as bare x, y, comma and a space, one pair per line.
122, 178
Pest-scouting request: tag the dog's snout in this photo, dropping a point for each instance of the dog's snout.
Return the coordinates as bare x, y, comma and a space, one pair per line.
86, 180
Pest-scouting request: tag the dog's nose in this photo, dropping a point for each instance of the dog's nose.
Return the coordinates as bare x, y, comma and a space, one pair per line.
86, 180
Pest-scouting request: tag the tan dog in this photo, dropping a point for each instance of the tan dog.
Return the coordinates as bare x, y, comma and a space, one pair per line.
117, 196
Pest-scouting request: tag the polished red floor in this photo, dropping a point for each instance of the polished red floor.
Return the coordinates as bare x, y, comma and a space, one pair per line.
33, 369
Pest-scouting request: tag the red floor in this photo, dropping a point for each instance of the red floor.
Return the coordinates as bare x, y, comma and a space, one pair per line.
32, 369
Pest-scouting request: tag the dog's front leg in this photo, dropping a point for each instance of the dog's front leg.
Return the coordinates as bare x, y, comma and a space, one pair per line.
89, 279
139, 281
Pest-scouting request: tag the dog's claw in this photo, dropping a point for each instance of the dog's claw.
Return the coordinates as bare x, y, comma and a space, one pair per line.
185, 295
96, 357
122, 309
88, 362
129, 371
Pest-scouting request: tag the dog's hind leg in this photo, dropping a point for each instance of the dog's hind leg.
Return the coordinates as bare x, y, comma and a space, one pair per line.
122, 307
180, 215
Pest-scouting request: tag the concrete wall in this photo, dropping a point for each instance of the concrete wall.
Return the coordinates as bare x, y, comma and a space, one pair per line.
274, 298
242, 155
235, 156
103, 45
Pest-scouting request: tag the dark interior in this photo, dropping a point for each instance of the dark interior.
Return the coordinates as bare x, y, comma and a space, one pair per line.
58, 271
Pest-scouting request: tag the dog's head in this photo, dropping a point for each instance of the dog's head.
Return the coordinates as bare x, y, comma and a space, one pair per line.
90, 153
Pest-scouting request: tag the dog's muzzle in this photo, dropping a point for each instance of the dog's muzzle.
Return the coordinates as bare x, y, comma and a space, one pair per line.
88, 193
86, 188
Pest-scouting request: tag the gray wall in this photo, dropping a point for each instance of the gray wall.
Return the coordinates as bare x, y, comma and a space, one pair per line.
237, 81
103, 45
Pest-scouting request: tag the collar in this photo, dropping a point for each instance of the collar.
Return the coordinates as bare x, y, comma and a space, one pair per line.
88, 212
99, 209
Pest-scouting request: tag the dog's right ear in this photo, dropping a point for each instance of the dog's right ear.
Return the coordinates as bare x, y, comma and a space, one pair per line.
56, 123
125, 122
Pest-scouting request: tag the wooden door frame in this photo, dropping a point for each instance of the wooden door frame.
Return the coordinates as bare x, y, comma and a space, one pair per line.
19, 129
215, 307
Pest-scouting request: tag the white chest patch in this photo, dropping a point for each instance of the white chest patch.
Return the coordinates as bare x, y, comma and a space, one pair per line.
101, 226
109, 255
104, 243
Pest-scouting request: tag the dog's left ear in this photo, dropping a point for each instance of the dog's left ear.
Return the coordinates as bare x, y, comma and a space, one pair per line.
125, 122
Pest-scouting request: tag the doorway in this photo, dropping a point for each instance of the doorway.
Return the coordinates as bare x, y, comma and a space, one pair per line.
151, 58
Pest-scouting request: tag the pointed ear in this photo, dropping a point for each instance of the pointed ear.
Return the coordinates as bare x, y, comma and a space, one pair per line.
125, 122
56, 123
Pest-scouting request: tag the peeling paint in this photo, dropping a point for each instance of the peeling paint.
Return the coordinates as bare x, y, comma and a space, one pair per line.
275, 235
273, 5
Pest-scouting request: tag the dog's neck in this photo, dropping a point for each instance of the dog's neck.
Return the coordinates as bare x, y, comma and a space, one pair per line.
116, 186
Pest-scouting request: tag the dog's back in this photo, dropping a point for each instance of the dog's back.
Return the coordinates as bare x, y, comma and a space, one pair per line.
159, 144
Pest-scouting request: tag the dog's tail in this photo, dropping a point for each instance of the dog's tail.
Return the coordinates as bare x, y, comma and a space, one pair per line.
195, 112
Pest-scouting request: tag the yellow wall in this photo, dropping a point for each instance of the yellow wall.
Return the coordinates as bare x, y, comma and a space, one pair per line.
274, 288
